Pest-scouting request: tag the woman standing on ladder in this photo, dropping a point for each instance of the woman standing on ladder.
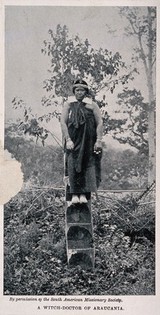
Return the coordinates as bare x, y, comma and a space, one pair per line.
81, 125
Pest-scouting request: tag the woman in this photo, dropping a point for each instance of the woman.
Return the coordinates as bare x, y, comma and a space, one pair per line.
81, 125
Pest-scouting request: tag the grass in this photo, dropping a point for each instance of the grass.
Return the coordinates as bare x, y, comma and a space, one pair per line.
35, 261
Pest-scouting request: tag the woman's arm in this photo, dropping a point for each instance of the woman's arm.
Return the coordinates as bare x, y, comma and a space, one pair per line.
98, 118
64, 117
65, 134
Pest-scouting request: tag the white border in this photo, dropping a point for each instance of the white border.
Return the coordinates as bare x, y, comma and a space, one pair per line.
134, 305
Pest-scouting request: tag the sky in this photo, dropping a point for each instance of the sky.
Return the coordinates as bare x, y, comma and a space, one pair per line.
26, 27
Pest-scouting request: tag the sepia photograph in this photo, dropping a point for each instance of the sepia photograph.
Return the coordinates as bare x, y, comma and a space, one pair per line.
80, 129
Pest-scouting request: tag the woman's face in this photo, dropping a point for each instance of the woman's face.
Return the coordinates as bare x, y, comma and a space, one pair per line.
79, 93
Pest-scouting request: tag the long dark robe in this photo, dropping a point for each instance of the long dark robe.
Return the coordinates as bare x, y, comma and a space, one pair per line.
83, 165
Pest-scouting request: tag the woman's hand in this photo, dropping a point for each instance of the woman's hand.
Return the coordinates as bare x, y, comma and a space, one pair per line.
98, 146
69, 144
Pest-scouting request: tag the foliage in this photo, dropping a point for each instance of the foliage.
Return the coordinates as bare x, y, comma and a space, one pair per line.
71, 58
139, 26
124, 170
142, 25
40, 165
35, 256
44, 165
30, 124
35, 259
124, 229
134, 128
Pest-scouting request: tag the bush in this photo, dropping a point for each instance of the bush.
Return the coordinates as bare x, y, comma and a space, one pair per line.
35, 259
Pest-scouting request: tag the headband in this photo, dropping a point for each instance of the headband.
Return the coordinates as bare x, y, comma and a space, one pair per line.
80, 85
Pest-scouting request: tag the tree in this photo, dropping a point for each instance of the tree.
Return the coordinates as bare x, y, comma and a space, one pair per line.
73, 58
40, 165
30, 124
143, 27
133, 128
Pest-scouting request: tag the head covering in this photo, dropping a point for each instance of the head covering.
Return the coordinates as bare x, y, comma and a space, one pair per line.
80, 83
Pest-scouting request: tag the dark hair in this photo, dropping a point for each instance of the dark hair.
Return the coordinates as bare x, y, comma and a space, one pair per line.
80, 83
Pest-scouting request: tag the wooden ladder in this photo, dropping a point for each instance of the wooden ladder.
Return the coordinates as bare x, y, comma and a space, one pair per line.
79, 233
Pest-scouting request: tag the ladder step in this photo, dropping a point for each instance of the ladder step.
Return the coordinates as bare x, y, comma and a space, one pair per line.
78, 213
83, 257
79, 233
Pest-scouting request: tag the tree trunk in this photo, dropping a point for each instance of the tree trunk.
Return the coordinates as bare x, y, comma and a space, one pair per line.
151, 114
151, 135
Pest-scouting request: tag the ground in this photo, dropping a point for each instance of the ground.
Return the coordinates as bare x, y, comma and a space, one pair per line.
35, 261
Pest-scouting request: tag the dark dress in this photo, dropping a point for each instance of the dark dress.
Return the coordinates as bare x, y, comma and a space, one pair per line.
82, 164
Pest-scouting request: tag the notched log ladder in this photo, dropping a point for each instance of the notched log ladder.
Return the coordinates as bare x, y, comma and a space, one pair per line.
79, 233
